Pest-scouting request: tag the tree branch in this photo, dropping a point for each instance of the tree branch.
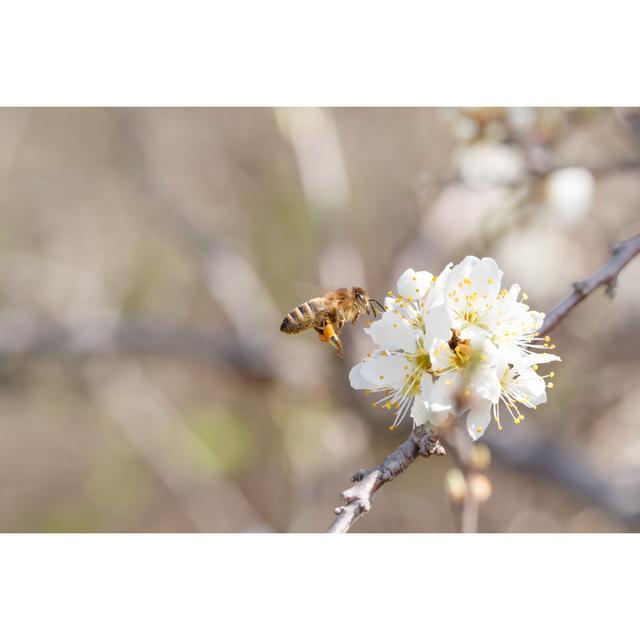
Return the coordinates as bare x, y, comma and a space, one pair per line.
421, 442
607, 275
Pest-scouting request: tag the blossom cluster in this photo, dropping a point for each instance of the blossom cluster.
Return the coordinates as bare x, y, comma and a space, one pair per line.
455, 344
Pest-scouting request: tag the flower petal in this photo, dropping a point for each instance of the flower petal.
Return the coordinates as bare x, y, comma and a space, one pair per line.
435, 297
419, 411
440, 354
486, 383
443, 393
532, 386
384, 371
539, 358
478, 419
414, 284
437, 325
393, 332
357, 380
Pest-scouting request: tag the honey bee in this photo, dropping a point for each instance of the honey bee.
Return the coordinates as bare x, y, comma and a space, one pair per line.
327, 314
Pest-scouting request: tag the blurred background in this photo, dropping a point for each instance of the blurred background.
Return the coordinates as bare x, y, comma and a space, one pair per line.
149, 256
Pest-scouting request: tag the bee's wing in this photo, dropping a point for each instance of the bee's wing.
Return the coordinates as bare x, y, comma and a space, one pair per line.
307, 290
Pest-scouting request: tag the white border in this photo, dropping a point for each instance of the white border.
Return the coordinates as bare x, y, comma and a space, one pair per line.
295, 52
306, 586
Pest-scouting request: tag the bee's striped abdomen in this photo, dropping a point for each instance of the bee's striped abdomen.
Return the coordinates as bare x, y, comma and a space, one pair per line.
302, 317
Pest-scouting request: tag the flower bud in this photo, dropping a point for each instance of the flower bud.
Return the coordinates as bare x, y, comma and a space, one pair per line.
480, 487
456, 485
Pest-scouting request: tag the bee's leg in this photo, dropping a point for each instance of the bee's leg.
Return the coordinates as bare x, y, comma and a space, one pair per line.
328, 334
334, 338
336, 341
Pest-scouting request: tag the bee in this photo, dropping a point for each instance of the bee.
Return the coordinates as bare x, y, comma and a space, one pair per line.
327, 314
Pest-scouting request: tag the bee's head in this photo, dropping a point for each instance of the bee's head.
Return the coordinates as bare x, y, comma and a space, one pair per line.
364, 301
360, 295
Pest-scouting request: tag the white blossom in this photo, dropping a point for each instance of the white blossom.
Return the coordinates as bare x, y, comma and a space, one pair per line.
454, 344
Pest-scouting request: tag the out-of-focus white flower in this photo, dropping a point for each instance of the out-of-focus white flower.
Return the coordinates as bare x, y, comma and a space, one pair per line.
569, 193
521, 118
456, 343
490, 164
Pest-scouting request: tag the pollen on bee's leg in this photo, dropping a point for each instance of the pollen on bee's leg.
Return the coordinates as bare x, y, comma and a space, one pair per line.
328, 332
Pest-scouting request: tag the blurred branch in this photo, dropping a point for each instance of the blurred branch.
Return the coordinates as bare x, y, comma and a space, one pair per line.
607, 275
32, 338
421, 442
549, 460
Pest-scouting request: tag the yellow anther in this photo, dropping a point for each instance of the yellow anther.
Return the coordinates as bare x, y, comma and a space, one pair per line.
535, 367
547, 339
525, 296
490, 281
499, 427
395, 325
414, 278
552, 374
417, 290
549, 385
467, 281
389, 293
552, 347
388, 405
381, 377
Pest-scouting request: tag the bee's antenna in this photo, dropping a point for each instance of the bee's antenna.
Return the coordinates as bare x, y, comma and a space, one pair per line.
374, 300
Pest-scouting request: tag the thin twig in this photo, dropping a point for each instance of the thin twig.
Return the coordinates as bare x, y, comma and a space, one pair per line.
607, 275
421, 442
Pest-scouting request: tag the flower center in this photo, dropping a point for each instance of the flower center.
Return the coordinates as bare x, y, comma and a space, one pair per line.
461, 354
